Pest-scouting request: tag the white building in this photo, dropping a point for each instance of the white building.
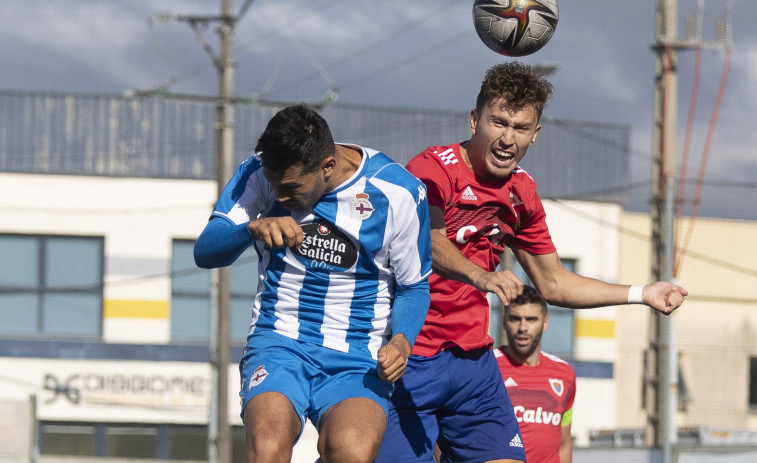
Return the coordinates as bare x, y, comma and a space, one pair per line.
104, 317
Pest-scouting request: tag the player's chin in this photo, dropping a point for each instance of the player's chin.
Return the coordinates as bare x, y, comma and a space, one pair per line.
525, 350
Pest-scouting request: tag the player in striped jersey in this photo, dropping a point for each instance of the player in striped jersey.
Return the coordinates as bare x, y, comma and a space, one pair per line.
342, 234
541, 386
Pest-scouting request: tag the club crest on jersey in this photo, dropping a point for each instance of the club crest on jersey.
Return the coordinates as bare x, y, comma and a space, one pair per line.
557, 386
361, 207
258, 376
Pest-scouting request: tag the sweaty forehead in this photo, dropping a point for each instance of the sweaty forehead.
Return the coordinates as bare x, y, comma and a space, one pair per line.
502, 108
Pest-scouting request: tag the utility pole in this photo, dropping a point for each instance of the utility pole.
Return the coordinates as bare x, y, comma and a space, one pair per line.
219, 439
219, 431
661, 377
661, 385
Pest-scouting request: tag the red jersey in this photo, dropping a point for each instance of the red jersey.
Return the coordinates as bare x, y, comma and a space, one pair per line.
481, 219
541, 395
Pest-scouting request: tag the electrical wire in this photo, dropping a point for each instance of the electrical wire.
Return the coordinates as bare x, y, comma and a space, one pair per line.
705, 156
689, 130
645, 237
390, 36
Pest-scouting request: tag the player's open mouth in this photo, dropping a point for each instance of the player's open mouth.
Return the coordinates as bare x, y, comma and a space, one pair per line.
522, 341
502, 157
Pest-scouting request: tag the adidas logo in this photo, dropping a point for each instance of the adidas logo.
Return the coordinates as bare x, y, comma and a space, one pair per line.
510, 382
516, 442
469, 195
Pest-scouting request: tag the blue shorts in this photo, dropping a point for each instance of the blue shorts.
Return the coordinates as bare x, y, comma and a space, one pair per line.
311, 376
456, 399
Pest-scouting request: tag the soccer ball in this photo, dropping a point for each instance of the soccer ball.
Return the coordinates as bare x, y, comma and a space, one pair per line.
515, 27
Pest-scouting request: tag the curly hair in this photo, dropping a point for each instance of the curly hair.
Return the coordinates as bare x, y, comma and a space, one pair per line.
517, 84
295, 136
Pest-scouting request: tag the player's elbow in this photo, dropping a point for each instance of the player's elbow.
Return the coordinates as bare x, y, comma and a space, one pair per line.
205, 253
202, 259
549, 291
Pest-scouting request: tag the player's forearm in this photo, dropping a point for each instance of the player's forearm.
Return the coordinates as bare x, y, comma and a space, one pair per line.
567, 289
409, 310
578, 292
566, 444
221, 243
448, 262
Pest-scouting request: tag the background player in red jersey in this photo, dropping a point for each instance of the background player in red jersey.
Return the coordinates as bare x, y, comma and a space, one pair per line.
480, 202
541, 386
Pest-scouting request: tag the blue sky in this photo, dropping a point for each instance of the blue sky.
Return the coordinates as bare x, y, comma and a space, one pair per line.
420, 53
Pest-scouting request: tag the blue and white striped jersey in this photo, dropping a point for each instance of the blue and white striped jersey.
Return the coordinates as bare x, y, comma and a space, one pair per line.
360, 241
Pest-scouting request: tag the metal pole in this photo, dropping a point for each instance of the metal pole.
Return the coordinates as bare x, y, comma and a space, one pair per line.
220, 439
664, 404
33, 430
669, 357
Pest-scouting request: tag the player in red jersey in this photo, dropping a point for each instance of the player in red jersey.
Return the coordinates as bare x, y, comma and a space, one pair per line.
480, 201
541, 386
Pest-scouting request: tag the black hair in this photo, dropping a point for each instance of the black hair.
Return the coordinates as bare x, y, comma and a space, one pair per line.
295, 136
529, 296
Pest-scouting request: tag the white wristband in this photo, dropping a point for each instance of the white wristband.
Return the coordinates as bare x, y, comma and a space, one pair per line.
634, 294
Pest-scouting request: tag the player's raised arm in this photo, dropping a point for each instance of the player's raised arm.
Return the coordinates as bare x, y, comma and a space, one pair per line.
567, 289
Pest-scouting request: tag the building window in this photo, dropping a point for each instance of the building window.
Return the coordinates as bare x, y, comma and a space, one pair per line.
189, 443
132, 441
558, 339
190, 295
51, 285
70, 439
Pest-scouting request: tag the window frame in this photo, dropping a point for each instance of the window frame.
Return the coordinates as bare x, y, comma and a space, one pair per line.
166, 434
752, 393
241, 300
495, 327
42, 289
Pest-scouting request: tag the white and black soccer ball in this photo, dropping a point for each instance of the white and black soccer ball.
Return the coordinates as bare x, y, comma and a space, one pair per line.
515, 27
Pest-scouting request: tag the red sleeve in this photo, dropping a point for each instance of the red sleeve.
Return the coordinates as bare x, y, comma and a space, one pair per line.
533, 235
572, 396
427, 169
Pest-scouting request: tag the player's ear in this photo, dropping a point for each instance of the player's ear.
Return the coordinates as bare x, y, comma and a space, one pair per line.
474, 120
328, 165
546, 323
536, 133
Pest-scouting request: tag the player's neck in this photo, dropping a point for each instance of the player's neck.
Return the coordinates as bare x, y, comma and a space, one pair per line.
464, 154
531, 360
348, 159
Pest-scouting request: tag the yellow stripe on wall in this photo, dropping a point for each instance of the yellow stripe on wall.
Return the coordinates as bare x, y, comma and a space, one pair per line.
135, 309
590, 328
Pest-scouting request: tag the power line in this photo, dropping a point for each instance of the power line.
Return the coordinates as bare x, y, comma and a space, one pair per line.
646, 237
386, 38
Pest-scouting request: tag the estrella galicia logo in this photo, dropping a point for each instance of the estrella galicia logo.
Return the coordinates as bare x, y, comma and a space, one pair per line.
325, 247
